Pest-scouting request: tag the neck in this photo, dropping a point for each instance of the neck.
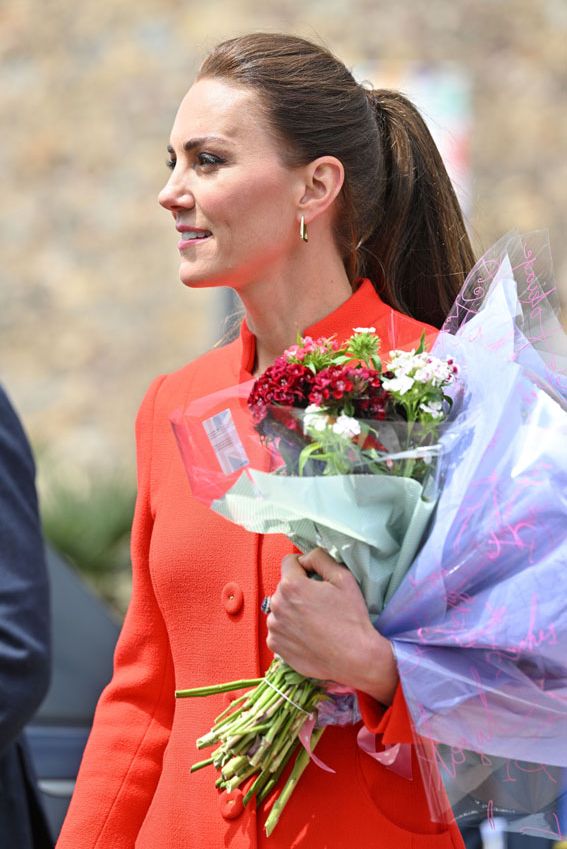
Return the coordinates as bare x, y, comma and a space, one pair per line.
291, 299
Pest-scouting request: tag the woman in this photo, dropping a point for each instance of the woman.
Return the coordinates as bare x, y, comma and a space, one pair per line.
293, 185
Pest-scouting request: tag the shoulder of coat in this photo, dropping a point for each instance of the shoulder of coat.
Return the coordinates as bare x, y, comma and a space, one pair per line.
213, 369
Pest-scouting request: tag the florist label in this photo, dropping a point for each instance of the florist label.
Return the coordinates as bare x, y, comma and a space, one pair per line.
225, 441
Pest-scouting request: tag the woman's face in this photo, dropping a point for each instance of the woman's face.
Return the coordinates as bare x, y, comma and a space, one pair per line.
235, 204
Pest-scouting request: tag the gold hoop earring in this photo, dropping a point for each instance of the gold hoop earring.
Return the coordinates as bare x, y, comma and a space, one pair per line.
303, 235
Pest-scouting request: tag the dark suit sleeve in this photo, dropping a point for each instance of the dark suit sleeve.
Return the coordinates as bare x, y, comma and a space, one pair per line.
24, 594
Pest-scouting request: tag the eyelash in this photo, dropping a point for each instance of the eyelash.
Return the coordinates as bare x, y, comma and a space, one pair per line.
212, 161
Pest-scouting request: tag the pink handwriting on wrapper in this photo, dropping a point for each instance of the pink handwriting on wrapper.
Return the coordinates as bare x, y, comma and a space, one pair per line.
468, 556
533, 295
456, 632
458, 606
457, 758
506, 532
536, 637
529, 769
483, 734
470, 301
490, 814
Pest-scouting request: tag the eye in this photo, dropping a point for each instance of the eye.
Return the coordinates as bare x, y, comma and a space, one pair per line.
170, 163
208, 160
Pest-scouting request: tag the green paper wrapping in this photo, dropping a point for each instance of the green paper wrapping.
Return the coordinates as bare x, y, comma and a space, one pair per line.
373, 524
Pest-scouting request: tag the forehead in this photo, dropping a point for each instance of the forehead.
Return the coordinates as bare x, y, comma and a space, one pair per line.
212, 107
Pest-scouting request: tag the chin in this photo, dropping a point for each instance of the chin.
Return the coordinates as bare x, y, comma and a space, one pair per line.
210, 278
194, 279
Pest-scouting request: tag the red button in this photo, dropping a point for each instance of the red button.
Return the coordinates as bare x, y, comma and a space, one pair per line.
231, 803
232, 598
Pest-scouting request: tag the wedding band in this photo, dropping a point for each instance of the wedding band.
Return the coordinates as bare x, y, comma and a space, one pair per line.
265, 606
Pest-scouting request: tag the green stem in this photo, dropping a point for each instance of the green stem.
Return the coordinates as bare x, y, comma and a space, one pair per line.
275, 777
284, 754
232, 768
217, 688
233, 703
298, 768
200, 765
257, 787
283, 739
235, 782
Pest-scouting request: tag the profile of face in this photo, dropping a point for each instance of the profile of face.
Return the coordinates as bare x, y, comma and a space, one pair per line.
233, 200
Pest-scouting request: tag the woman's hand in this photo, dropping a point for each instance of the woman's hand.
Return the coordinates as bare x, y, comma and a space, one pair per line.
322, 628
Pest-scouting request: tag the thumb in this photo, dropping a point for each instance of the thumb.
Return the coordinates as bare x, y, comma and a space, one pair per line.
322, 563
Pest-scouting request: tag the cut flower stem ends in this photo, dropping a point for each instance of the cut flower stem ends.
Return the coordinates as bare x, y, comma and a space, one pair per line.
259, 732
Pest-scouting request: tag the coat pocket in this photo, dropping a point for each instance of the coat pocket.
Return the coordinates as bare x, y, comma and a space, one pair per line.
403, 804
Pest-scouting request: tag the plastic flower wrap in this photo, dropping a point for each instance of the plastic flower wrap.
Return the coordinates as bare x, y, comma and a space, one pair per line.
479, 625
336, 449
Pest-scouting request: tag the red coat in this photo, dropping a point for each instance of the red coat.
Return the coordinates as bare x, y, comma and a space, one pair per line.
194, 619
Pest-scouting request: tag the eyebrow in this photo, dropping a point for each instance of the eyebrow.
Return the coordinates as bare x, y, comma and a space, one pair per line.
191, 144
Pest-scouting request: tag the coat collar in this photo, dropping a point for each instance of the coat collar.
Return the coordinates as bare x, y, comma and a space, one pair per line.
363, 307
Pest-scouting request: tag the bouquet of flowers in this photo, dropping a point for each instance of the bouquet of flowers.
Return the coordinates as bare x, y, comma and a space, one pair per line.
352, 448
458, 511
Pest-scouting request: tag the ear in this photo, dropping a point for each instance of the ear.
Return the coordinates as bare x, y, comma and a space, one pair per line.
323, 180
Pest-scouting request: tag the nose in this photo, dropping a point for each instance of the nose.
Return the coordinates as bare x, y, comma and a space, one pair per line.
176, 195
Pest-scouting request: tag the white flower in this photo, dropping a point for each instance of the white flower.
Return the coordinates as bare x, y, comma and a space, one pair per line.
346, 426
364, 329
422, 367
402, 356
435, 409
401, 384
314, 418
443, 371
402, 362
424, 375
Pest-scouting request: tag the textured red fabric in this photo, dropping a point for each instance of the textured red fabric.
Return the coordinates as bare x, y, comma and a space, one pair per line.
194, 619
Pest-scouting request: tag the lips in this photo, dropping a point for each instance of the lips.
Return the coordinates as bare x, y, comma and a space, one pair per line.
192, 236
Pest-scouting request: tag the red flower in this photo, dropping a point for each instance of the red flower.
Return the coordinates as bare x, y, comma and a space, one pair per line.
291, 384
372, 443
331, 384
284, 384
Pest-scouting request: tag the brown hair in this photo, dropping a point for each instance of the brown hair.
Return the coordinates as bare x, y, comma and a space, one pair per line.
398, 221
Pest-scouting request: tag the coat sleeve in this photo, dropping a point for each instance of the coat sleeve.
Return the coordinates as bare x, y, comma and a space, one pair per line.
24, 596
393, 722
122, 761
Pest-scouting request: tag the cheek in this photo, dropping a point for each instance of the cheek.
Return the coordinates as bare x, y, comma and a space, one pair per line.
258, 205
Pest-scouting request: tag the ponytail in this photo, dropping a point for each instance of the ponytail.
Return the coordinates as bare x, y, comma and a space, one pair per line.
418, 253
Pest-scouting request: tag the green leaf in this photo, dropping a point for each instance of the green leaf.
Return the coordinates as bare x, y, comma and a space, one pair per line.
421, 347
305, 455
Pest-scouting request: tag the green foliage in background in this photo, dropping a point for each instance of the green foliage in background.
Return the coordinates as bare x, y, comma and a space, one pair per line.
89, 524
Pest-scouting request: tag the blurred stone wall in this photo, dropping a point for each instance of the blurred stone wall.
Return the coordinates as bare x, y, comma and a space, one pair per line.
90, 304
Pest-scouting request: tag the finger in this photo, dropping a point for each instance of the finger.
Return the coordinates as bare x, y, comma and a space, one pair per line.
291, 567
322, 563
